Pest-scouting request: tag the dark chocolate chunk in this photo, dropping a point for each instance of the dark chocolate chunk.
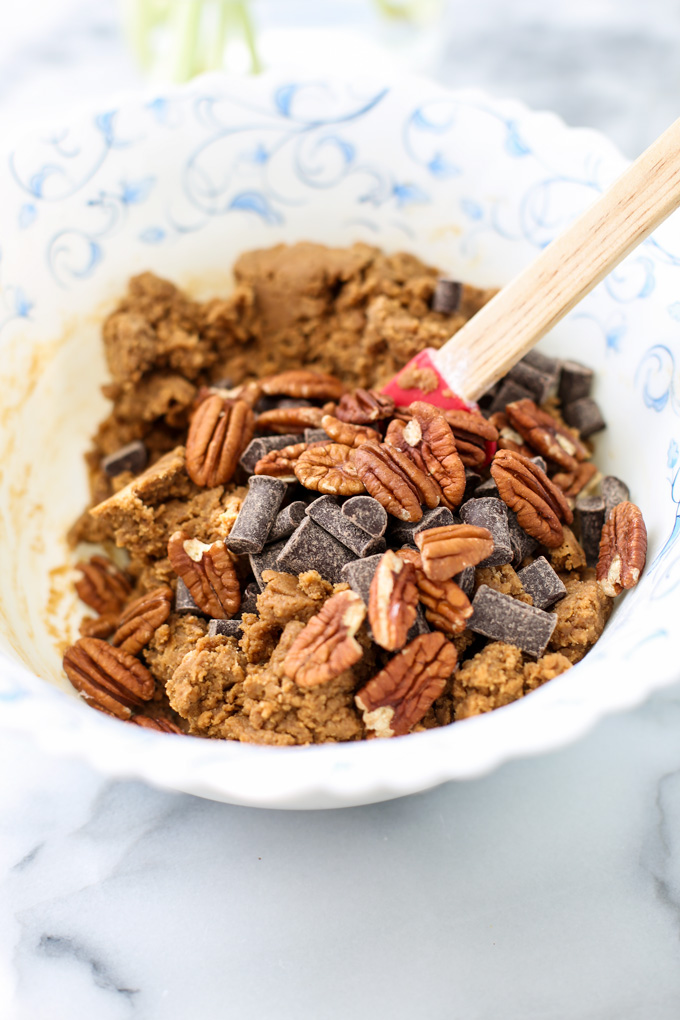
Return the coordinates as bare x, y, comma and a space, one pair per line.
584, 415
576, 381
367, 513
509, 392
486, 488
539, 384
614, 491
311, 547
132, 457
419, 626
522, 544
249, 598
326, 512
258, 447
492, 514
184, 603
466, 581
472, 480
543, 362
226, 628
267, 560
257, 514
287, 521
504, 618
404, 532
446, 297
541, 582
317, 436
359, 574
590, 517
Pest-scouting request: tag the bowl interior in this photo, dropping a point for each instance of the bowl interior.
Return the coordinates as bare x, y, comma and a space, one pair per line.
182, 184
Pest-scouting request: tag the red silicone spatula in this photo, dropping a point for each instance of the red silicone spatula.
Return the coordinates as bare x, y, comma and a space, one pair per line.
516, 318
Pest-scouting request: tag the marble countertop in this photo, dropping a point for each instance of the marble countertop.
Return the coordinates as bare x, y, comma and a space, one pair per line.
549, 890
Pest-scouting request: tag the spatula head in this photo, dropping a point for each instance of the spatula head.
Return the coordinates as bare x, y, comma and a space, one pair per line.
421, 380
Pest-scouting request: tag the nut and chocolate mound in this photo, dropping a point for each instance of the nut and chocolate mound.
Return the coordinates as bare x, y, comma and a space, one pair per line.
293, 559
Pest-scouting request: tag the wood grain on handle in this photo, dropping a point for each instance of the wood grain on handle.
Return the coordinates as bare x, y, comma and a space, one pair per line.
519, 315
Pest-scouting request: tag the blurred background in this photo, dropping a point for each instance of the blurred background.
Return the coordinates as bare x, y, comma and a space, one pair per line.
608, 64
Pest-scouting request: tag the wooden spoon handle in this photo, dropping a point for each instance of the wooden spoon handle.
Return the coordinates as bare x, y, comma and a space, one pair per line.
518, 316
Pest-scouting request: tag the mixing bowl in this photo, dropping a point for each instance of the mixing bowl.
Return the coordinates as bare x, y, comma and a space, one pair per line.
183, 182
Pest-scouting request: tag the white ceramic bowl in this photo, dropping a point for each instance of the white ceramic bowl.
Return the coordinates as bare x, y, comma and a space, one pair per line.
182, 183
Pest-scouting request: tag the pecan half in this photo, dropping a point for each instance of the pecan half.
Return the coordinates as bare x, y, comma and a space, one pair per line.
471, 433
141, 620
280, 463
448, 550
109, 678
329, 468
400, 694
428, 440
545, 434
447, 607
363, 406
208, 572
623, 549
98, 626
159, 723
326, 647
350, 435
509, 438
219, 432
572, 483
290, 419
303, 383
102, 585
395, 481
392, 601
540, 506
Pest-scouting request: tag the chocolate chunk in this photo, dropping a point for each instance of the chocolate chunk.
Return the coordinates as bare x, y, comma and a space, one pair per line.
486, 488
367, 514
590, 517
472, 480
226, 628
249, 598
614, 491
522, 544
359, 574
317, 436
287, 521
404, 532
326, 512
543, 362
446, 297
576, 381
132, 457
584, 415
258, 447
420, 625
184, 603
311, 547
257, 514
539, 384
541, 582
267, 560
466, 580
492, 514
504, 618
508, 392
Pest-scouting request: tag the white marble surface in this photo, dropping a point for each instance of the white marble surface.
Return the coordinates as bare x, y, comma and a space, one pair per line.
549, 890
